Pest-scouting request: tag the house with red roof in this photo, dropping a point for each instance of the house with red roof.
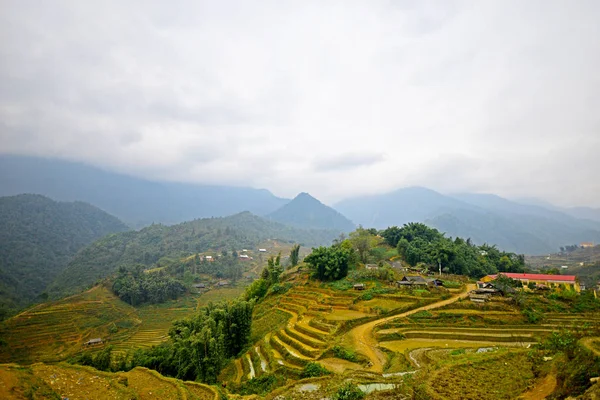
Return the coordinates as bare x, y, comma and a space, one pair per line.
569, 281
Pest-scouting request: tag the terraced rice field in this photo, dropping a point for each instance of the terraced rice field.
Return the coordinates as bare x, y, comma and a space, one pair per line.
53, 331
76, 382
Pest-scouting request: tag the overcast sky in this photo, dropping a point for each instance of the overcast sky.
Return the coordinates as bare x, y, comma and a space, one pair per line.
334, 98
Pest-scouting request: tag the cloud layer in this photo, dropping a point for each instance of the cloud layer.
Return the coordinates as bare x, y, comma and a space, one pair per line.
334, 98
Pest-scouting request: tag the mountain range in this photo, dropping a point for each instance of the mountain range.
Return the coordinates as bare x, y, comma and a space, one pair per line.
38, 237
137, 202
525, 226
485, 218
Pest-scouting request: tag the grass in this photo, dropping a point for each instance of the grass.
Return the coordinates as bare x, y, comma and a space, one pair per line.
475, 376
401, 346
58, 381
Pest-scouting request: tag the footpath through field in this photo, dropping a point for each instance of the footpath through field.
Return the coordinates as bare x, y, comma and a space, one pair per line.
364, 341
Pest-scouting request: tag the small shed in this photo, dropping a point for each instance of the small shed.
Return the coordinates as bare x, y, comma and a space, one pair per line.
200, 286
359, 286
371, 266
435, 282
223, 283
262, 250
92, 342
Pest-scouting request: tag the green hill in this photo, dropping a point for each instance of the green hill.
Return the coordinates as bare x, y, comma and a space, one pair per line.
38, 237
307, 212
151, 244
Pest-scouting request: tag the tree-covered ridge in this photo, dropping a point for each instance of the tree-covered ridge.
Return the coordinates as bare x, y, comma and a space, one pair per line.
417, 243
38, 237
149, 245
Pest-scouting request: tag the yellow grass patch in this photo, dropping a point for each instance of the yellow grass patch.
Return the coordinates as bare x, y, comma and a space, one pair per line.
403, 345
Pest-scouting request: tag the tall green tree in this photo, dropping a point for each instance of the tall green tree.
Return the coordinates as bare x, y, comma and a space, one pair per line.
294, 255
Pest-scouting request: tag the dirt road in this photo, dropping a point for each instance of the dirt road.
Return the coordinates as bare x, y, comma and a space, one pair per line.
364, 341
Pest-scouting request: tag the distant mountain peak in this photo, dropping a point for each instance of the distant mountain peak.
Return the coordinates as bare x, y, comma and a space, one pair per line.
306, 211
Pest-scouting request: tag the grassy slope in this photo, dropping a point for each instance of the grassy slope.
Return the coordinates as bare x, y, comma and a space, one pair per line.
41, 381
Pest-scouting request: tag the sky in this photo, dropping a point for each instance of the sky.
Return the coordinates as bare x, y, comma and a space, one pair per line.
334, 98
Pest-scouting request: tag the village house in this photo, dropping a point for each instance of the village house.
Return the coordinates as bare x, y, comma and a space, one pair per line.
586, 245
223, 283
92, 342
200, 286
244, 257
551, 281
371, 266
359, 286
262, 250
414, 280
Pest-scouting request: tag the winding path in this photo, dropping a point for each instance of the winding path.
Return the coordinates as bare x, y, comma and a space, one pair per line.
364, 341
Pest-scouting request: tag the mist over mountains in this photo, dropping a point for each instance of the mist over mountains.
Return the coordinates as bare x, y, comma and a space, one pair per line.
526, 226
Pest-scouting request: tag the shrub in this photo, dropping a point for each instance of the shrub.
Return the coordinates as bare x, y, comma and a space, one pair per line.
344, 354
348, 391
533, 316
313, 369
457, 352
261, 385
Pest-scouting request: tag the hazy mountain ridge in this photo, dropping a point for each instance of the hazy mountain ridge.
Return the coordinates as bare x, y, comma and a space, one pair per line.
38, 236
135, 201
304, 211
147, 246
516, 227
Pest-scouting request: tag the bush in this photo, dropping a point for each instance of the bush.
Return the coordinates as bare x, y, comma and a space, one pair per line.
344, 354
261, 385
533, 316
348, 391
313, 369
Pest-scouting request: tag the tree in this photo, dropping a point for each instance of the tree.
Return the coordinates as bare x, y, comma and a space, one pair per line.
329, 263
392, 235
294, 255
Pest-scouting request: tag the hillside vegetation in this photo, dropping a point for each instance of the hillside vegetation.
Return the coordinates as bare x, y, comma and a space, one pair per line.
38, 237
149, 245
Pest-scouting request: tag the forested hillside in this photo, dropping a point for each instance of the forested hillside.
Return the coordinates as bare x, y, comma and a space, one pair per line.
149, 245
38, 237
135, 201
304, 211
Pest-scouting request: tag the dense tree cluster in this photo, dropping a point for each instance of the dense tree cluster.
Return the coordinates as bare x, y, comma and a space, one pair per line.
330, 263
135, 286
200, 346
417, 243
197, 349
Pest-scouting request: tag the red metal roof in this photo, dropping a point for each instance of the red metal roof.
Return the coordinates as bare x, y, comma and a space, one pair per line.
537, 277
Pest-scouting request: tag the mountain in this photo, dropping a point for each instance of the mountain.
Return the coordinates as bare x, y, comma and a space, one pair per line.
413, 204
304, 211
485, 218
135, 201
151, 244
38, 237
592, 214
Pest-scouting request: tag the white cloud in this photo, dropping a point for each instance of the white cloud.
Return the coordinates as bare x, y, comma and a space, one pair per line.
334, 98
